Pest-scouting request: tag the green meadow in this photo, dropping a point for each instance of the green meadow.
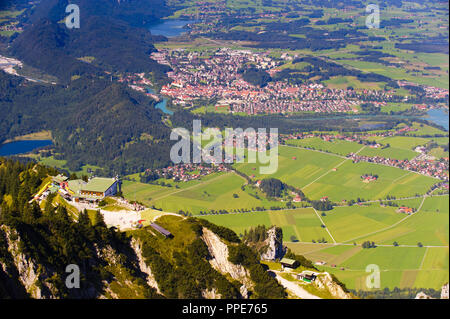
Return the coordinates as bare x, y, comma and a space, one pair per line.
400, 147
429, 226
319, 174
299, 224
222, 191
398, 73
342, 82
297, 167
347, 223
337, 146
423, 129
402, 267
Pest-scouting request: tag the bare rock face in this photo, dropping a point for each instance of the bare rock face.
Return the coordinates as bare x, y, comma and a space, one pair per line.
422, 295
244, 292
32, 276
275, 249
325, 281
444, 291
151, 281
219, 261
211, 294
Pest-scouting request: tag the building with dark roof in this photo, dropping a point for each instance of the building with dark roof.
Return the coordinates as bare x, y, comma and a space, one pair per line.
290, 263
161, 230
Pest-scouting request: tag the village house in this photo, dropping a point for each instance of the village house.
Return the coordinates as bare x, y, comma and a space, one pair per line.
406, 210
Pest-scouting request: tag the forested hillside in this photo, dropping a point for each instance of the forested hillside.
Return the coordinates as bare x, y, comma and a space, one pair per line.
112, 34
201, 260
113, 45
92, 120
135, 12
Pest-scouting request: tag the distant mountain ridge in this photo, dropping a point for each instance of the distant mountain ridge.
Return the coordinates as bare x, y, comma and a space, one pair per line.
112, 33
135, 12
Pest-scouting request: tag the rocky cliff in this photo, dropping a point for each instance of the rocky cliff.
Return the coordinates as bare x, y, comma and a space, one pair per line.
444, 291
273, 245
151, 281
29, 276
325, 281
218, 251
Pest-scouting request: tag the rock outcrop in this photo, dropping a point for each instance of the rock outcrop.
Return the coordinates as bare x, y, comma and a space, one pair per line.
211, 294
218, 251
325, 281
32, 276
444, 291
274, 245
422, 295
151, 281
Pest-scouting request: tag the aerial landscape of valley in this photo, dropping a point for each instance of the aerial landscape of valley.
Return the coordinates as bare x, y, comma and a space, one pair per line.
224, 149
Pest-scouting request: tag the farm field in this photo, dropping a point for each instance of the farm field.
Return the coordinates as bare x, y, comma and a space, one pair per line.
429, 226
342, 82
337, 146
397, 73
216, 192
145, 193
346, 183
403, 266
296, 167
400, 147
348, 223
301, 223
319, 174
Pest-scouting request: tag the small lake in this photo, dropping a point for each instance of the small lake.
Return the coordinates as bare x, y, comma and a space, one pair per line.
438, 116
21, 147
170, 28
162, 105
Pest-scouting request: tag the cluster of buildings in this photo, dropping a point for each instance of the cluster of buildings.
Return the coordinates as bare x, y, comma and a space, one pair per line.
92, 191
186, 172
367, 178
138, 82
430, 91
437, 169
218, 74
360, 138
405, 210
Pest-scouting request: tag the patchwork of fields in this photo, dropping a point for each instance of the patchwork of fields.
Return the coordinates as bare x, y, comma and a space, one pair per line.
220, 191
406, 265
334, 236
320, 174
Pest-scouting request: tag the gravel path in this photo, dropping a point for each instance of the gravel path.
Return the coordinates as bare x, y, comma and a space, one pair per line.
294, 288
